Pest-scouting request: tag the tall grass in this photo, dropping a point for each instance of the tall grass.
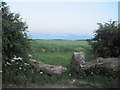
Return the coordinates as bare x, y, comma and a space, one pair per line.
59, 52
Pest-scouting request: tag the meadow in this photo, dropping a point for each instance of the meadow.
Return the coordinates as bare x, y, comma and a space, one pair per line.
59, 52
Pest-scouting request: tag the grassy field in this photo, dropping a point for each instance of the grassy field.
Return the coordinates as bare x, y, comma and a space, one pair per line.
59, 52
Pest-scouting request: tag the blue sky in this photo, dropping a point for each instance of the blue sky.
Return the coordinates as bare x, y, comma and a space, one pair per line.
64, 20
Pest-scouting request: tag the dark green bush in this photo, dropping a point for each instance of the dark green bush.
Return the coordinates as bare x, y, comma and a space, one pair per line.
106, 41
15, 49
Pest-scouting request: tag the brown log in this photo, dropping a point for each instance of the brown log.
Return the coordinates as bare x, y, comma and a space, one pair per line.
78, 62
49, 69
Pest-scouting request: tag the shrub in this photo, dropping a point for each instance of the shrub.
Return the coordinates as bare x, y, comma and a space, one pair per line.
15, 46
106, 41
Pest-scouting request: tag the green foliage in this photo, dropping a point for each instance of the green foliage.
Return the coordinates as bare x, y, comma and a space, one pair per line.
107, 40
15, 46
14, 35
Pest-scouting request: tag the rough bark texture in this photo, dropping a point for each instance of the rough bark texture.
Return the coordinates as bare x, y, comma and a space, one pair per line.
78, 62
49, 69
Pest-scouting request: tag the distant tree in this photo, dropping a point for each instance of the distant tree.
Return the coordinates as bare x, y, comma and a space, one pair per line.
106, 41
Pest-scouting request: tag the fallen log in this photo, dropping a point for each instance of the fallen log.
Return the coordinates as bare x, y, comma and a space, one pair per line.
49, 69
78, 62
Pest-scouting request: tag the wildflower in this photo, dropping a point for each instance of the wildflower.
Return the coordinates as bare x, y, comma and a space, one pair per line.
15, 58
26, 64
41, 72
19, 58
0, 71
92, 73
73, 80
8, 63
69, 74
20, 68
30, 55
12, 60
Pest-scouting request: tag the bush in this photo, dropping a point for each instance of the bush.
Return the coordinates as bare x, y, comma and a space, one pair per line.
106, 42
15, 49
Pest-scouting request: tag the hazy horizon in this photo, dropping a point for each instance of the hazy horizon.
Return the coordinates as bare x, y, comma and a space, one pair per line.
64, 20
52, 36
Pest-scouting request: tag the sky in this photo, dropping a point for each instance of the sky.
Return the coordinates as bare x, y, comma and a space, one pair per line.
64, 20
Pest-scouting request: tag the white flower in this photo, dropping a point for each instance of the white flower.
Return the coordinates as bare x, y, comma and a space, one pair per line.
41, 72
15, 58
12, 60
19, 58
29, 55
26, 63
0, 71
73, 80
20, 68
8, 63
69, 74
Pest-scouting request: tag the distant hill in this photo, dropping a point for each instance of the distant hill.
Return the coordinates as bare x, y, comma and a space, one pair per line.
47, 36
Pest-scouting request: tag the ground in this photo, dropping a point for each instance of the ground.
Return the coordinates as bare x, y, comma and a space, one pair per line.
48, 86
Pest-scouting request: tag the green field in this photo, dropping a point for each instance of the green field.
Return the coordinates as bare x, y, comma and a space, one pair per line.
59, 52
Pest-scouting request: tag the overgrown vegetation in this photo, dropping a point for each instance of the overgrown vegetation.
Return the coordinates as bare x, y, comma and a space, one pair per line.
15, 47
107, 40
57, 52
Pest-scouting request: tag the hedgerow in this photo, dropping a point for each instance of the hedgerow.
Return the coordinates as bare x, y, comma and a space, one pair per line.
15, 48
